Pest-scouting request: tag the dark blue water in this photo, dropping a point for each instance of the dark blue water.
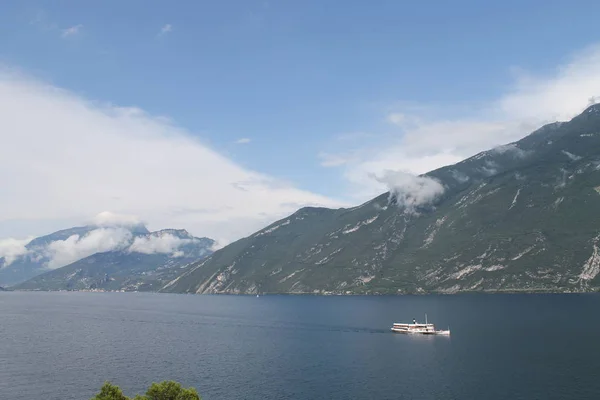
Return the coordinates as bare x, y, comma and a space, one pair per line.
64, 345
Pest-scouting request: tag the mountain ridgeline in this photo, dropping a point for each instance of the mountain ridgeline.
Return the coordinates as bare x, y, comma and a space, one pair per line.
520, 217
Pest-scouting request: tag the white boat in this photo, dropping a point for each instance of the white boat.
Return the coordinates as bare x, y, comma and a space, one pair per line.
416, 328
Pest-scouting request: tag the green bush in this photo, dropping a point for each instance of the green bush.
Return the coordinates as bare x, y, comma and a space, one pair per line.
166, 390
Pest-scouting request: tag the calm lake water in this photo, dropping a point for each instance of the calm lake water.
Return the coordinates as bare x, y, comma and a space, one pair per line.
64, 345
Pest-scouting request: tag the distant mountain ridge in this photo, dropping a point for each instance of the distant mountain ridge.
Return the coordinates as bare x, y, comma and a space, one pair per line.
521, 217
102, 247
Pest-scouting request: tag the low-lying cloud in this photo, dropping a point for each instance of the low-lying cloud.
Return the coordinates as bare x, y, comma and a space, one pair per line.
75, 247
490, 168
409, 191
459, 176
158, 244
511, 149
12, 249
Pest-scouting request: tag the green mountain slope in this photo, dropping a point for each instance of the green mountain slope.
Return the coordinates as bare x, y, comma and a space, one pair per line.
521, 217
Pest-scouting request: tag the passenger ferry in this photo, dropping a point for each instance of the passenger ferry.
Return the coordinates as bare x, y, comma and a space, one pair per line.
423, 329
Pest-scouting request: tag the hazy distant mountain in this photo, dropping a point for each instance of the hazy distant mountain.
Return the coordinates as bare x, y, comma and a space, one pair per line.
520, 217
35, 260
101, 250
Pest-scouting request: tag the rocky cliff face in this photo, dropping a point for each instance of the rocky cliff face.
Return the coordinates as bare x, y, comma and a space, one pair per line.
520, 217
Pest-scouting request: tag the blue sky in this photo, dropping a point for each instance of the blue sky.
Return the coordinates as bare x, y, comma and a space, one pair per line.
322, 90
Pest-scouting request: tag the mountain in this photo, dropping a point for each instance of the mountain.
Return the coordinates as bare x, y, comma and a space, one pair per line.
520, 217
127, 255
34, 261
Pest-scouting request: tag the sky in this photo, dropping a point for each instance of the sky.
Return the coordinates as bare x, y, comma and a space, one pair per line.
222, 117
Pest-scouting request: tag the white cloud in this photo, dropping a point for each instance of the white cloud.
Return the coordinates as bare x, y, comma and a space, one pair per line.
107, 218
490, 168
396, 118
423, 142
512, 149
459, 176
167, 28
410, 191
11, 249
82, 157
64, 252
157, 244
243, 141
72, 31
218, 244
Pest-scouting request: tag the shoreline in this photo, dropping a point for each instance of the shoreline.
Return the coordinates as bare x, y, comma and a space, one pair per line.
325, 294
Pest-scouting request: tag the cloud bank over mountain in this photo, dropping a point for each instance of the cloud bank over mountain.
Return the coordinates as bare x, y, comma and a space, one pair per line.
163, 244
76, 247
110, 232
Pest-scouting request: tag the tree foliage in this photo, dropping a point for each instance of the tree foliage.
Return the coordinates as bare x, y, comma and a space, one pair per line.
169, 390
110, 392
166, 390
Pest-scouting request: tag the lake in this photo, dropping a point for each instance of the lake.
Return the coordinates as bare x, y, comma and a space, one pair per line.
64, 345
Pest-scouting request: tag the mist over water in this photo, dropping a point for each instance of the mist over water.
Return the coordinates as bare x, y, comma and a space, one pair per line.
65, 345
